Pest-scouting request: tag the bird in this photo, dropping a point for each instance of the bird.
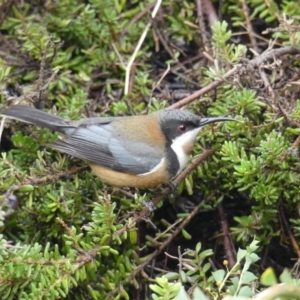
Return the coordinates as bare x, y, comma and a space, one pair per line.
142, 151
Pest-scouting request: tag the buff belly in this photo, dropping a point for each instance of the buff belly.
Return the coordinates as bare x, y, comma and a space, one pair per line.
119, 179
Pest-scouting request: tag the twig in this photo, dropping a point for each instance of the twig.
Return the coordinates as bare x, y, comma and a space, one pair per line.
2, 122
287, 116
271, 54
228, 246
292, 148
203, 32
54, 177
210, 12
206, 89
41, 81
290, 29
287, 229
162, 38
254, 63
249, 27
138, 47
135, 19
267, 85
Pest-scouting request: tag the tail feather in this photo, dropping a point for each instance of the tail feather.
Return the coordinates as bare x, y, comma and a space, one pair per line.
33, 116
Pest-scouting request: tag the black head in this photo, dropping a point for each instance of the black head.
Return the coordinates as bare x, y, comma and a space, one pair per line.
175, 123
180, 129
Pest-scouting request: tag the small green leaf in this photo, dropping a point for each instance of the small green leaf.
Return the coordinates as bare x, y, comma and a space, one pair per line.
286, 277
248, 277
268, 277
218, 275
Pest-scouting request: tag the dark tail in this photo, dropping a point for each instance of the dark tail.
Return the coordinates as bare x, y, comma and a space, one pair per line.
33, 116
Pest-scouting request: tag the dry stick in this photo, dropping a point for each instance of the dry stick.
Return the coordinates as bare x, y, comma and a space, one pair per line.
255, 62
282, 110
206, 89
274, 53
288, 29
41, 81
190, 60
161, 36
287, 229
267, 84
210, 12
250, 30
139, 45
230, 252
135, 19
163, 245
287, 116
292, 148
202, 28
163, 41
253, 41
36, 181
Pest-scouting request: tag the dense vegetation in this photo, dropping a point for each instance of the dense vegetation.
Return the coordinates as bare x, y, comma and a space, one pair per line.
232, 227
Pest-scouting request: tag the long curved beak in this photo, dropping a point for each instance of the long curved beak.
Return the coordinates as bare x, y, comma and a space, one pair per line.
205, 121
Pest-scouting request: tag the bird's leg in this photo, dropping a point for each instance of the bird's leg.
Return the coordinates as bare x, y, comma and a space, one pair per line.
172, 185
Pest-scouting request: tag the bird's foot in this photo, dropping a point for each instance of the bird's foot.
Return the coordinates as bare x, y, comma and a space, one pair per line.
149, 205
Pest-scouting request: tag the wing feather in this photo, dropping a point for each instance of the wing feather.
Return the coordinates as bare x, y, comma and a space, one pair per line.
96, 143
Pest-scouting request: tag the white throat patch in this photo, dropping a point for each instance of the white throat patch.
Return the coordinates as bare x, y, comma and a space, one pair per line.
178, 146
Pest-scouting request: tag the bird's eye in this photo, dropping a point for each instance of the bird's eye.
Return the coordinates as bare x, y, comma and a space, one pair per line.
182, 128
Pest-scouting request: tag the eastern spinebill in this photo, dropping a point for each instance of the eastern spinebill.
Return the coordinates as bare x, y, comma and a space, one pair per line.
135, 151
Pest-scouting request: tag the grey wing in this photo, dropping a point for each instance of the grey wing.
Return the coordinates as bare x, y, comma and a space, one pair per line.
68, 127
97, 144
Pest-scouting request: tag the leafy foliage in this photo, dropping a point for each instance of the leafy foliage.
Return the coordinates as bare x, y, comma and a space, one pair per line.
63, 234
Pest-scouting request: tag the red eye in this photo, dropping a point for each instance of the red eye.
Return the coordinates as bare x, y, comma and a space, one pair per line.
182, 128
